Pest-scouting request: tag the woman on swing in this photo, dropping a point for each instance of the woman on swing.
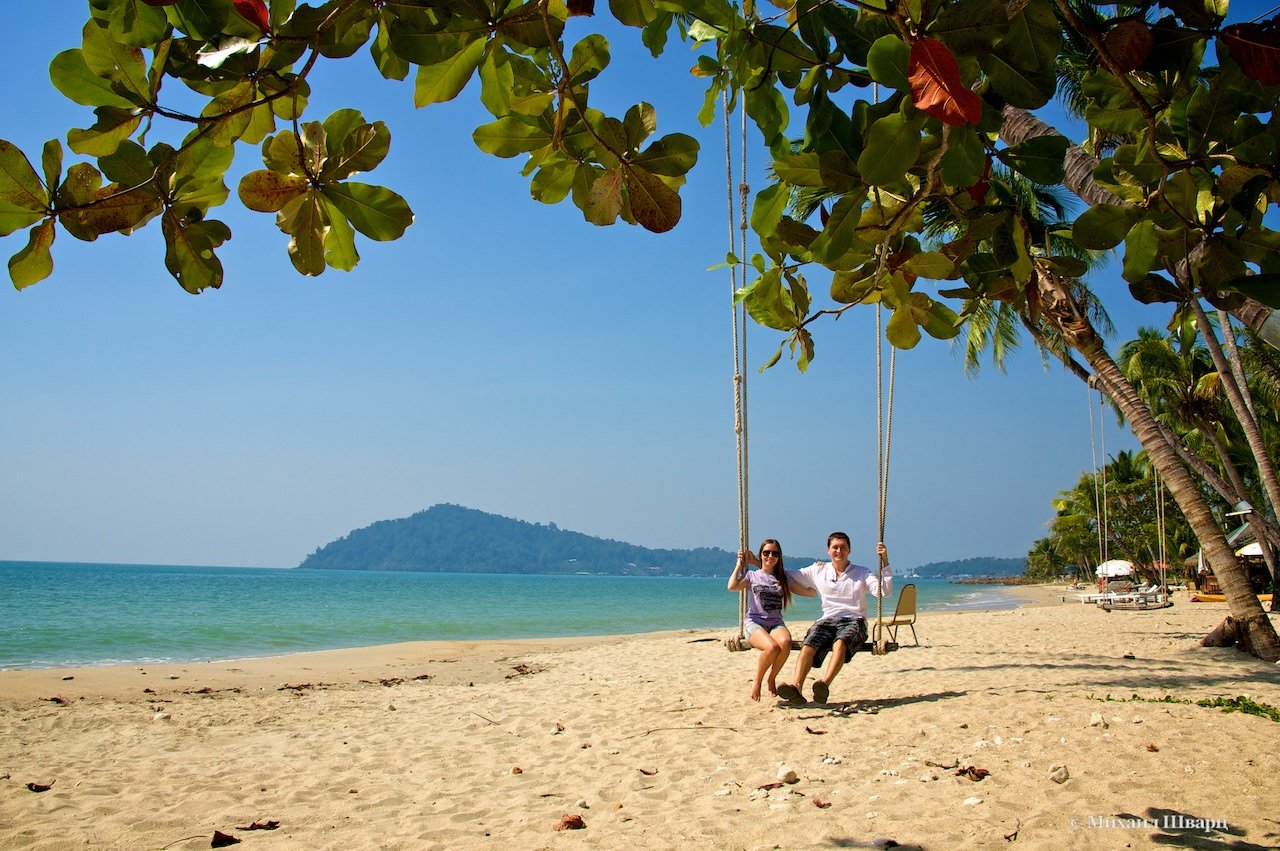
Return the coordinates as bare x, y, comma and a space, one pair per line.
770, 593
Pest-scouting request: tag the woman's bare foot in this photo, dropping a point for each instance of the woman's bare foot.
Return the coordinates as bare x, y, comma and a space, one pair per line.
773, 687
755, 692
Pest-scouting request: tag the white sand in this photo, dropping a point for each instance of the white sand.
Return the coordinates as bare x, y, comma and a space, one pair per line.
653, 741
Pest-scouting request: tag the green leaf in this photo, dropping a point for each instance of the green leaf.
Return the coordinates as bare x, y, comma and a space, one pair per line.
137, 23
510, 136
672, 156
840, 230
973, 28
71, 76
891, 148
590, 56
965, 160
639, 124
1264, 288
901, 330
768, 302
1040, 159
375, 211
306, 220
598, 193
1154, 289
19, 184
655, 205
633, 13
200, 19
189, 251
1140, 248
799, 169
123, 65
14, 217
932, 265
553, 180
442, 82
269, 191
50, 161
887, 62
33, 263
360, 150
112, 127
340, 243
1104, 225
767, 209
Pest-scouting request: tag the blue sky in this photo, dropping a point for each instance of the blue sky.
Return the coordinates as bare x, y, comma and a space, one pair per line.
503, 355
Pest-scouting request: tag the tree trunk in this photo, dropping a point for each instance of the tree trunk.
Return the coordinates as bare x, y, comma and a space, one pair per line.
1257, 635
1019, 126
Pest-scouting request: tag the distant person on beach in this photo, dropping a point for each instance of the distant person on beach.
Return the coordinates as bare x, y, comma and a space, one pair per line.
769, 592
843, 589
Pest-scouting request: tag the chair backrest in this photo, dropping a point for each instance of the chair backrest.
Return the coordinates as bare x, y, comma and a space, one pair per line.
906, 602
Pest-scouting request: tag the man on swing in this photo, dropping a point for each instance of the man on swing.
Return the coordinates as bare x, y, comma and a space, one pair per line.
841, 631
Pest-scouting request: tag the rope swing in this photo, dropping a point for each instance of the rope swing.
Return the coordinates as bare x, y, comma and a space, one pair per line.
737, 219
884, 436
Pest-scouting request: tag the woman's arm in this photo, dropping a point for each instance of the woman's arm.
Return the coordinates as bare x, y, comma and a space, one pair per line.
738, 577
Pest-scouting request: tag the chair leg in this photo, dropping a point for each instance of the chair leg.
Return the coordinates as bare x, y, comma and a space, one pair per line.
913, 634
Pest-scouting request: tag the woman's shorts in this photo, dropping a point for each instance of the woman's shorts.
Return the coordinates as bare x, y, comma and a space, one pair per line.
751, 626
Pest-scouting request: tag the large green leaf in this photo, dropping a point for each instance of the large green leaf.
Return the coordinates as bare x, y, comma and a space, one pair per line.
768, 302
34, 262
340, 242
189, 251
965, 159
306, 220
1140, 249
671, 155
1039, 159
200, 19
1104, 225
971, 28
14, 217
112, 127
375, 211
268, 191
71, 76
137, 23
891, 148
598, 193
362, 149
553, 180
19, 184
655, 205
887, 62
442, 82
590, 56
510, 136
120, 63
840, 230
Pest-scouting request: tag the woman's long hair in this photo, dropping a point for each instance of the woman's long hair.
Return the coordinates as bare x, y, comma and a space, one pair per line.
780, 573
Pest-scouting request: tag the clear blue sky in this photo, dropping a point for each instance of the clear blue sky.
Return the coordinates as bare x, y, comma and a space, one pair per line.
503, 355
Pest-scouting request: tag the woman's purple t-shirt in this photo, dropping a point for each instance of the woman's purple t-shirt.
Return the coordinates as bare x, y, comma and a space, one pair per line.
764, 599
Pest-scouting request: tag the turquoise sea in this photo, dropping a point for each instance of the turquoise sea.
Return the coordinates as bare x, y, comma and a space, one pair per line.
55, 614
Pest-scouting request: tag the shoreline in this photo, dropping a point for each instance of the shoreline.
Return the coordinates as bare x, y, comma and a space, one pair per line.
1014, 597
1059, 724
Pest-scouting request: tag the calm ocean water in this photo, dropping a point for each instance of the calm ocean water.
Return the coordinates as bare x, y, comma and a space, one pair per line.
54, 615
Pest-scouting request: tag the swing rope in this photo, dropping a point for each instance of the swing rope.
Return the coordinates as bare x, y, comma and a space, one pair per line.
884, 436
737, 219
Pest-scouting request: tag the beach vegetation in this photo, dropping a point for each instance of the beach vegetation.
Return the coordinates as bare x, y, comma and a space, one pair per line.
1241, 703
887, 109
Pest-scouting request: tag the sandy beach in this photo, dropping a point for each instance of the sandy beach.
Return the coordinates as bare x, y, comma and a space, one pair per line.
1057, 725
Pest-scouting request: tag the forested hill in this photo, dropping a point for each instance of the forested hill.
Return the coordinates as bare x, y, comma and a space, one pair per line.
980, 566
453, 539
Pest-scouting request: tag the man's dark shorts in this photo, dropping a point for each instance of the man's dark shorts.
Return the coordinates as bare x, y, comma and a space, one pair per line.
823, 635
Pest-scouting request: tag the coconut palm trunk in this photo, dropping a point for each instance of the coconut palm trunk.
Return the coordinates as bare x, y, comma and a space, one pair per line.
1247, 621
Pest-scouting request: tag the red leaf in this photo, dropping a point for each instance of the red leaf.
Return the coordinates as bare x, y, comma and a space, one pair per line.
255, 12
821, 804
936, 87
222, 840
1256, 47
978, 191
